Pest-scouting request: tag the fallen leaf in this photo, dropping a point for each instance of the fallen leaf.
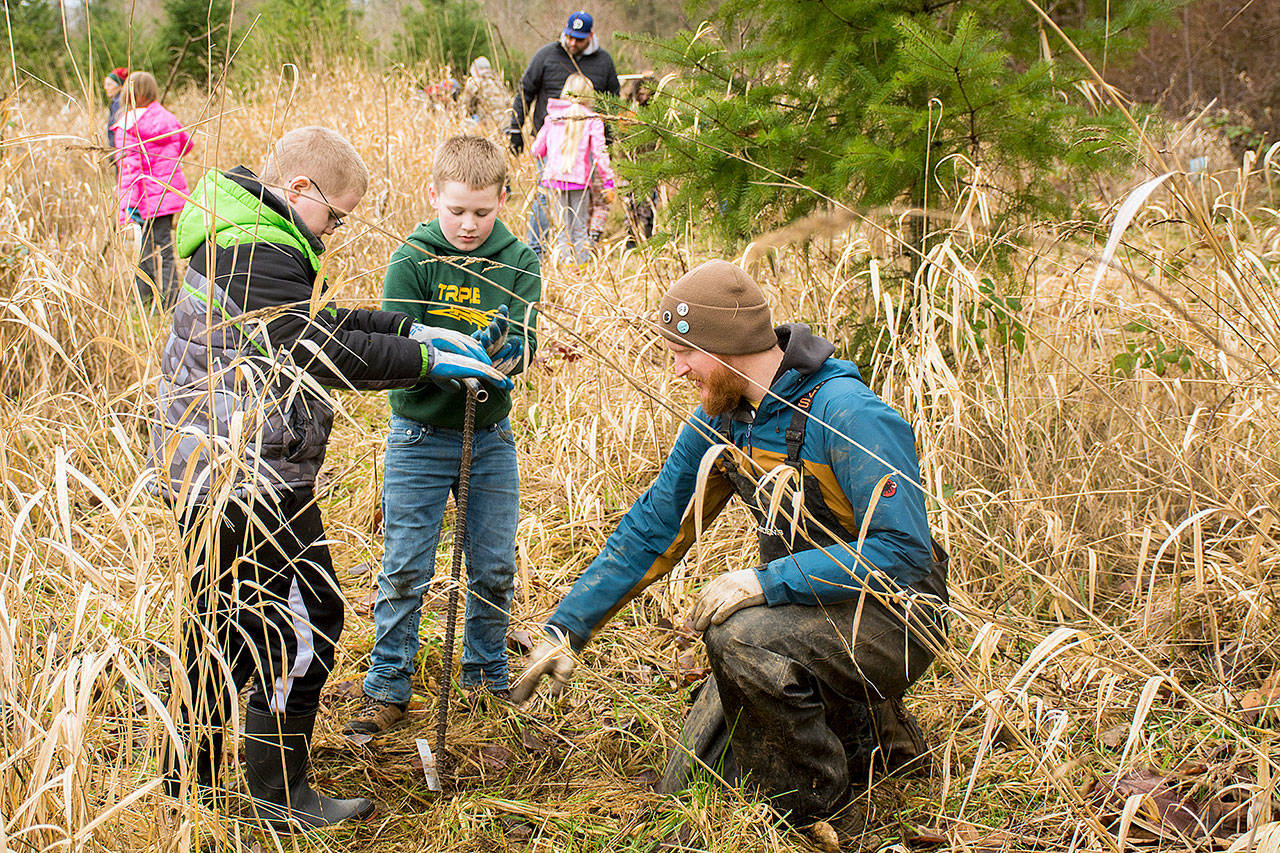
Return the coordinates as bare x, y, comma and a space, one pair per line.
518, 831
520, 641
359, 738
360, 569
496, 758
824, 835
1114, 737
365, 604
346, 689
1256, 703
646, 779
926, 838
533, 741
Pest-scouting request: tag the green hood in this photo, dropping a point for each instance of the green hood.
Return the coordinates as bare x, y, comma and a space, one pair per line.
241, 210
429, 235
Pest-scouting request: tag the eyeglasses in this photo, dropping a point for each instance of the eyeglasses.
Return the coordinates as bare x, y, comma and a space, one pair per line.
333, 212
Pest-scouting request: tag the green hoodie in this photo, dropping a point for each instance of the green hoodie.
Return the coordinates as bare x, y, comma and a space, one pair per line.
439, 285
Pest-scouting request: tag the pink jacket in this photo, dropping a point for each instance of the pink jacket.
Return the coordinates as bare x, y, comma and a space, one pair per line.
575, 172
150, 141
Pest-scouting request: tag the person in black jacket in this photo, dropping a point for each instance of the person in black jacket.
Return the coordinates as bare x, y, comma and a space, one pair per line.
577, 51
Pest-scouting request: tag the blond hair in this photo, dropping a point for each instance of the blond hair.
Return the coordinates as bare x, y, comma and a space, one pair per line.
577, 86
321, 154
575, 89
140, 90
470, 160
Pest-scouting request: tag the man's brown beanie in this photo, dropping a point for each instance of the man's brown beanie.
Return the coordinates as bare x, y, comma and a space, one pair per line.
716, 307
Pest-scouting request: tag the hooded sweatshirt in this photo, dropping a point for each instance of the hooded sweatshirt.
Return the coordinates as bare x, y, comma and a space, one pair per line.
440, 285
853, 440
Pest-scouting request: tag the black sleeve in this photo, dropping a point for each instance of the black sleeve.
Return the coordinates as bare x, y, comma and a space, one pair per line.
273, 284
382, 322
527, 91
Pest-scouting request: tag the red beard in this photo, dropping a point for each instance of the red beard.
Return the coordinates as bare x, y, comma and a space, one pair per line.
722, 390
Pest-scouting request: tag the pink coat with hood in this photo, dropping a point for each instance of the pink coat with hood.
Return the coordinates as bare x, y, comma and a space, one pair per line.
573, 172
151, 140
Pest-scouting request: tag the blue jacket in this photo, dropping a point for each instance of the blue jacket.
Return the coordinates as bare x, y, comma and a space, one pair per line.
659, 528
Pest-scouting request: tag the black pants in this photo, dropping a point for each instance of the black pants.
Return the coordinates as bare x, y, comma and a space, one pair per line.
265, 605
795, 683
157, 271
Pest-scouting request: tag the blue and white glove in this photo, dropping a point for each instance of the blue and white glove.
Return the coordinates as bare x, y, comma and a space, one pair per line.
134, 215
495, 336
447, 340
508, 358
449, 367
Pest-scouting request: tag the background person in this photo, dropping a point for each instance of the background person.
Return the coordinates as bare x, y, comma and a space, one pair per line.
577, 51
811, 649
111, 85
571, 146
150, 185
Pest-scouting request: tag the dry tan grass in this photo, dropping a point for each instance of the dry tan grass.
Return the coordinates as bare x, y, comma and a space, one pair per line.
1112, 537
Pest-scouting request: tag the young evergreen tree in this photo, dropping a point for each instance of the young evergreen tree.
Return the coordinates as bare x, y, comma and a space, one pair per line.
34, 34
783, 106
195, 41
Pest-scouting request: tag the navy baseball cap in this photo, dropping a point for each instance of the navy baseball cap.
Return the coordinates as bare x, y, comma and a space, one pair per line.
579, 25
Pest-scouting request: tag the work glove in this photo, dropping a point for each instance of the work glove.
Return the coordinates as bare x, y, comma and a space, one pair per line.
134, 215
608, 195
447, 340
450, 369
552, 657
725, 596
515, 141
494, 337
509, 357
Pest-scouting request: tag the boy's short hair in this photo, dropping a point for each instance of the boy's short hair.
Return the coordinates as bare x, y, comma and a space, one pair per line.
470, 160
141, 89
323, 155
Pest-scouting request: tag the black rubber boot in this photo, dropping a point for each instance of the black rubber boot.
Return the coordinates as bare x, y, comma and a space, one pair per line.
277, 757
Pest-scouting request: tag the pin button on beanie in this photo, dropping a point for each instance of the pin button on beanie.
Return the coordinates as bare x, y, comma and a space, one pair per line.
716, 307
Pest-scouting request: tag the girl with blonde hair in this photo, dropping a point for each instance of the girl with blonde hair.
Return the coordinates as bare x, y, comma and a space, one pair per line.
572, 141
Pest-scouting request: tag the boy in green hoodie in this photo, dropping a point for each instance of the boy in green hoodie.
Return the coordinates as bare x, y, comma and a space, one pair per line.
463, 271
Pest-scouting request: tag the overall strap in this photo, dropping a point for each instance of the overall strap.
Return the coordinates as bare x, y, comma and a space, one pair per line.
799, 420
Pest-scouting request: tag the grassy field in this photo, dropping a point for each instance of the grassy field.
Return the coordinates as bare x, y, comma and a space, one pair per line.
1102, 456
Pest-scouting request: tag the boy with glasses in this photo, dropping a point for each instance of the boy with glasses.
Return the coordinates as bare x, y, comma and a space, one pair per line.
243, 421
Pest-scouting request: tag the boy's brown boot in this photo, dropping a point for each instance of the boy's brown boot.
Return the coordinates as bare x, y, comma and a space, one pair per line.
374, 717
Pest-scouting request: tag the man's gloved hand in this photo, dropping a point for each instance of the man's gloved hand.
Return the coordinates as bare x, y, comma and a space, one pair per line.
448, 367
508, 358
447, 340
494, 337
552, 657
515, 141
608, 195
725, 596
134, 215
595, 234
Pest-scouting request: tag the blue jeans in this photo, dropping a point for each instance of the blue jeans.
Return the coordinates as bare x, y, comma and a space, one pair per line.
421, 471
539, 215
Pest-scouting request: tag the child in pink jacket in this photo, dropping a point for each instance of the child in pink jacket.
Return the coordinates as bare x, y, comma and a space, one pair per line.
151, 186
572, 141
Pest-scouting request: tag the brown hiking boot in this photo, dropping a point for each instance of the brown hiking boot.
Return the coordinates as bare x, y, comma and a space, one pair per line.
374, 717
902, 741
